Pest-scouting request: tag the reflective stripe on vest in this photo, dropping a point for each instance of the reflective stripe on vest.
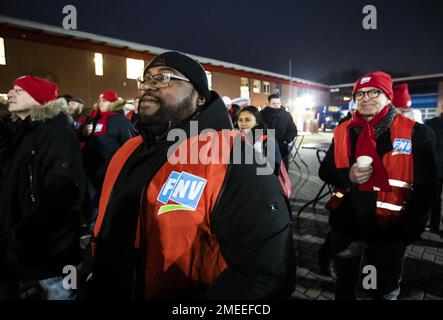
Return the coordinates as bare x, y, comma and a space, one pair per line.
400, 184
399, 166
389, 206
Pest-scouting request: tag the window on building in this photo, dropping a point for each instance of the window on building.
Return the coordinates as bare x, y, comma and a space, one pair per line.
278, 88
209, 76
244, 88
134, 68
256, 86
2, 52
266, 87
98, 60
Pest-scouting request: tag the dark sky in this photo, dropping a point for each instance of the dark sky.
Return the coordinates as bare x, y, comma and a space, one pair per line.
320, 37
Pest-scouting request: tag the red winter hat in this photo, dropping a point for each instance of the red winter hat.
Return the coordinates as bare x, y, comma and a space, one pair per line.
376, 79
110, 95
40, 89
402, 99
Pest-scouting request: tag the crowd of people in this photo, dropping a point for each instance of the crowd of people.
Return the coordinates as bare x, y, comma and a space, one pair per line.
157, 229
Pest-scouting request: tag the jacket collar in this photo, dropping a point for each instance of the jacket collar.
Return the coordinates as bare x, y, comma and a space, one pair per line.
45, 112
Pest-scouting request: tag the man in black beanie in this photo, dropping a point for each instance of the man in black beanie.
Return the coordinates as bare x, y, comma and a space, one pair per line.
169, 230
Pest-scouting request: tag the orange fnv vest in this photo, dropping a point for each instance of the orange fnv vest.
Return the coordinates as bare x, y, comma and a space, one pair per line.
182, 254
398, 163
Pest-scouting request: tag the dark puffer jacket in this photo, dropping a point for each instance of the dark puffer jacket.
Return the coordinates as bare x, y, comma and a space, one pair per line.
282, 122
41, 188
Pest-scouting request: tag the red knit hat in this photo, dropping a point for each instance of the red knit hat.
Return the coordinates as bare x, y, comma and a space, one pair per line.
110, 95
402, 99
40, 89
376, 79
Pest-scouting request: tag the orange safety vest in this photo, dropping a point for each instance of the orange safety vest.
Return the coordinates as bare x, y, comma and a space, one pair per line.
182, 254
398, 163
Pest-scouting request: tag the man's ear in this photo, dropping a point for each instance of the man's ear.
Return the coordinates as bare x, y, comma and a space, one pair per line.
200, 101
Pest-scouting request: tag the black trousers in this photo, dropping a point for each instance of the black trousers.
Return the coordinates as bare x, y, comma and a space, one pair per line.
387, 260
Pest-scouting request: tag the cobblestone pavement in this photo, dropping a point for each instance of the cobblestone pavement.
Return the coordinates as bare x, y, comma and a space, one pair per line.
423, 265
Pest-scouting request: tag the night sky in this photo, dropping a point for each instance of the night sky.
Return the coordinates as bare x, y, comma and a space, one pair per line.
320, 37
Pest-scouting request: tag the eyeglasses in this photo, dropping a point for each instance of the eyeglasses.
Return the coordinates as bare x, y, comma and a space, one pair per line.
160, 80
374, 93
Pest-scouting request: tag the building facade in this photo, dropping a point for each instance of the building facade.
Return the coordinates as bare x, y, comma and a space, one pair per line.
84, 64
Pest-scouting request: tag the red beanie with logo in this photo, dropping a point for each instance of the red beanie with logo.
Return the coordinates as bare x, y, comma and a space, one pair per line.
376, 79
110, 95
402, 99
40, 89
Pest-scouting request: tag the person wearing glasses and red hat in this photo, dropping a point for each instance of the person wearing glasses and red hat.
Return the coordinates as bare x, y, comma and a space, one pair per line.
41, 190
378, 208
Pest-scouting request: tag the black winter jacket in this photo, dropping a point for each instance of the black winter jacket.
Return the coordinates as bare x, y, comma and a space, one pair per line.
282, 122
356, 216
41, 188
436, 124
99, 150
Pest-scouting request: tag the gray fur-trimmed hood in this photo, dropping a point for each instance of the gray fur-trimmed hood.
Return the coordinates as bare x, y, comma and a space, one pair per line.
47, 111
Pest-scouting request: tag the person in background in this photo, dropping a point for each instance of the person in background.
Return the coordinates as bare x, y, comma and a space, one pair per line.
249, 121
276, 117
106, 131
402, 100
41, 188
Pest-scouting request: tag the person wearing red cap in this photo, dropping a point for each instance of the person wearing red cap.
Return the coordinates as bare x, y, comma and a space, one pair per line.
107, 130
41, 188
402, 100
379, 207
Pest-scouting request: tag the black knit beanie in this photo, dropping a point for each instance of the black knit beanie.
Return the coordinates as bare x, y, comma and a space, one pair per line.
190, 68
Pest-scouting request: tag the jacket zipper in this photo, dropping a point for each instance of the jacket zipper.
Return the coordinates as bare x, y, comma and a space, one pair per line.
223, 187
139, 285
31, 179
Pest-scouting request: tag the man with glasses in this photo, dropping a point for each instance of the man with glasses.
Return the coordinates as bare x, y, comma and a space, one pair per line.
170, 230
377, 208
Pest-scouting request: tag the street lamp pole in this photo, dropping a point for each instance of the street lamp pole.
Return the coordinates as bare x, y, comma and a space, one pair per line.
290, 84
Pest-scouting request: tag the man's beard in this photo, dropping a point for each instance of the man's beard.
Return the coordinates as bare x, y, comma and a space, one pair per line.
166, 116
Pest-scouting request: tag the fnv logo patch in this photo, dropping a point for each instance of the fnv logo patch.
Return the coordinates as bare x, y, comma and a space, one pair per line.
401, 146
182, 188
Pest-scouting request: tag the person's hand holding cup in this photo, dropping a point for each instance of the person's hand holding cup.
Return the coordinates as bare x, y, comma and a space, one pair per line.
361, 170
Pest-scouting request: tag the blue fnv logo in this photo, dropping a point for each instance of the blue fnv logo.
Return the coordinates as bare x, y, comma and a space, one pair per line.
184, 189
402, 146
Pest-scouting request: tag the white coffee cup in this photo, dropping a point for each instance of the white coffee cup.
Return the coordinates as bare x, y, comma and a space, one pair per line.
364, 161
89, 129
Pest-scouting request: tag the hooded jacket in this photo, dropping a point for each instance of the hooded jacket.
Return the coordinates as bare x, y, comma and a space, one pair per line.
236, 244
41, 188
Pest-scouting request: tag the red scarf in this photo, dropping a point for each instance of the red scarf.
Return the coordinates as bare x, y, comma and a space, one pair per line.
367, 146
100, 127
